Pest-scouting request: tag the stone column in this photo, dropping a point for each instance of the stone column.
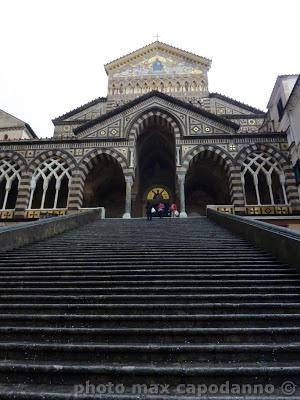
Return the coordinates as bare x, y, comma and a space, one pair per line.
181, 179
23, 195
129, 182
76, 189
178, 162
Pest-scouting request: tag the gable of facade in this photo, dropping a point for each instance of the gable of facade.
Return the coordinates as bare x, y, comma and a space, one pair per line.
13, 128
65, 124
191, 121
157, 66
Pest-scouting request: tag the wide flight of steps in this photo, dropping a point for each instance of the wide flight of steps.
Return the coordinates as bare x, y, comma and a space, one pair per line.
171, 302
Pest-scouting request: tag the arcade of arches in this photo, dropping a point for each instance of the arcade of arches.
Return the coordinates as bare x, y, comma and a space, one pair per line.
206, 181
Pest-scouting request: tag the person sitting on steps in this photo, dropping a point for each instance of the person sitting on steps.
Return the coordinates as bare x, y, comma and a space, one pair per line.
161, 209
173, 209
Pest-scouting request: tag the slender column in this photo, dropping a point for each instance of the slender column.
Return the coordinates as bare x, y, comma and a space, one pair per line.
45, 188
57, 187
131, 160
255, 178
181, 179
129, 182
269, 182
178, 163
282, 182
7, 189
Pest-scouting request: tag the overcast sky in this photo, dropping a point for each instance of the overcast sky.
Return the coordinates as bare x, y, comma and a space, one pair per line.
52, 52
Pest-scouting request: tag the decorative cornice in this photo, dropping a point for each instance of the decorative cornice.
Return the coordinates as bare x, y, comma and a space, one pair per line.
75, 141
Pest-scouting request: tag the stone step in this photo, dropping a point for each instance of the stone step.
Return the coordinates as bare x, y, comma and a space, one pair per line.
154, 298
163, 283
150, 353
150, 308
127, 268
9, 281
150, 335
209, 289
153, 320
146, 373
171, 301
27, 392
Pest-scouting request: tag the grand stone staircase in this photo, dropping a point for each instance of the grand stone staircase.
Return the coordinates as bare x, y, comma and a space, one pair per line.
173, 302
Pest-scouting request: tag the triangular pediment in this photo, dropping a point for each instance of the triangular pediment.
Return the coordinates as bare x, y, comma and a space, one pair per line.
158, 59
191, 121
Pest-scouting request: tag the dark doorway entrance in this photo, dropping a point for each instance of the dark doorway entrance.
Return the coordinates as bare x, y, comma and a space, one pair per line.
206, 183
156, 165
105, 186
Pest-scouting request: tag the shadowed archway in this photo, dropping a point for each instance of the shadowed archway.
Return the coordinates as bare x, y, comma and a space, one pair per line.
156, 162
105, 186
206, 183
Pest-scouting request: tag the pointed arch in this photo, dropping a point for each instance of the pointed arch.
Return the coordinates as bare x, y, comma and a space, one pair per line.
86, 163
12, 164
50, 183
64, 155
103, 182
224, 157
155, 113
264, 172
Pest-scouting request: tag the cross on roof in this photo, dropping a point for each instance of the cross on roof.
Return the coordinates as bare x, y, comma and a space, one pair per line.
157, 36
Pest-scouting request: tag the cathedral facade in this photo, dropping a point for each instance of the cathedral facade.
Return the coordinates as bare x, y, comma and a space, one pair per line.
158, 134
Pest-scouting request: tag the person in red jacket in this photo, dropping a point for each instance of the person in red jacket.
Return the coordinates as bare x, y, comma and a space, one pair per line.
173, 209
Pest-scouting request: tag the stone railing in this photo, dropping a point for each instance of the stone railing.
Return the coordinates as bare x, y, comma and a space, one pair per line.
282, 242
226, 208
100, 209
18, 235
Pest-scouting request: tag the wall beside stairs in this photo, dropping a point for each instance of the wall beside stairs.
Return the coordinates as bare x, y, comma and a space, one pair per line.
28, 232
283, 243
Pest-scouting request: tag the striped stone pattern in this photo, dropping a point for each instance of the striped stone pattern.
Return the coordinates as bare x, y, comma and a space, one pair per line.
86, 165
26, 175
154, 117
225, 161
23, 194
290, 182
236, 189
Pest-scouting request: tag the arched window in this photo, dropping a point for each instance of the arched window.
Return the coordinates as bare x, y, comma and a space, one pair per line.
9, 184
50, 185
263, 180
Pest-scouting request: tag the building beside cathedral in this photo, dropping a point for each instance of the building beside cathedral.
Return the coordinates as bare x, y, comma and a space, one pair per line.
159, 134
